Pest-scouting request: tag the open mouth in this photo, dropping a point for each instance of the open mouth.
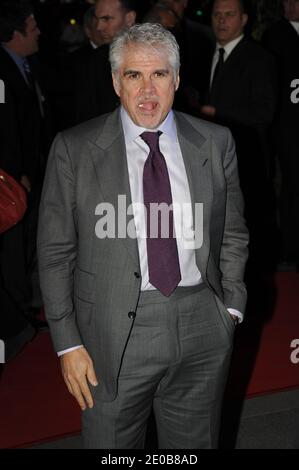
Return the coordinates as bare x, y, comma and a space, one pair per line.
147, 107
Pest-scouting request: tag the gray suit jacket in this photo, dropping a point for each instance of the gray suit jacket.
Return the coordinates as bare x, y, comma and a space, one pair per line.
89, 284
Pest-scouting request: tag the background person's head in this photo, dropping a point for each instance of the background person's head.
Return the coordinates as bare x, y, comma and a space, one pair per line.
145, 64
291, 10
228, 20
178, 6
18, 28
90, 27
113, 16
162, 14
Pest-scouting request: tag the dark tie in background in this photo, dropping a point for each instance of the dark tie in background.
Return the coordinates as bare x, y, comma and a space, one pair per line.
28, 74
162, 252
219, 65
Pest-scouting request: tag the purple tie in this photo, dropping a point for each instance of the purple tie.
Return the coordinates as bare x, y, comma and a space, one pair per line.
162, 252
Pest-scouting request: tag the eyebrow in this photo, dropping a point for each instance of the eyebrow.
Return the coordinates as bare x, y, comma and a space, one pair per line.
104, 17
130, 71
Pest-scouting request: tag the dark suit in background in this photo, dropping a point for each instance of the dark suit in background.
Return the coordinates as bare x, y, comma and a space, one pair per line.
94, 92
283, 41
244, 95
196, 43
23, 146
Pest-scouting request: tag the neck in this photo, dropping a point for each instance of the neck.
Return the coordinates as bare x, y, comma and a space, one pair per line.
13, 48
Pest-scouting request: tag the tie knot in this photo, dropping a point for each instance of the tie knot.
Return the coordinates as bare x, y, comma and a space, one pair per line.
151, 139
221, 51
26, 66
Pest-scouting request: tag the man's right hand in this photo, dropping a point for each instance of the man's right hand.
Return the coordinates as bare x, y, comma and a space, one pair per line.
77, 367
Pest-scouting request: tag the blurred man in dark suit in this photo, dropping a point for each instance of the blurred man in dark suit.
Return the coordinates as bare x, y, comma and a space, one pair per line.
95, 94
196, 43
73, 75
22, 147
90, 28
282, 39
241, 94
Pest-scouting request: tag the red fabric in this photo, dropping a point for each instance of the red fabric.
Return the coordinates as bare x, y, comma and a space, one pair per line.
273, 369
12, 201
35, 405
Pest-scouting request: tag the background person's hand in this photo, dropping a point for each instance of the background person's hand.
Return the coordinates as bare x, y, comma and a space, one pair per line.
26, 183
77, 367
208, 111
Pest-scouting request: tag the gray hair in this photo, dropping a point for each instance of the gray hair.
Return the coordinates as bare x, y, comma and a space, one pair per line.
147, 34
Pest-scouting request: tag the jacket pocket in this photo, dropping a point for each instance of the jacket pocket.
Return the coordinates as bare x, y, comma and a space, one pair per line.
84, 285
227, 320
84, 311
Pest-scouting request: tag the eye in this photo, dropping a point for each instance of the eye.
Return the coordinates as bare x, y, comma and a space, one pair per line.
133, 75
160, 73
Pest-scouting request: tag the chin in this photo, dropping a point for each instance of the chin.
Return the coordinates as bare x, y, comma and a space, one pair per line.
150, 122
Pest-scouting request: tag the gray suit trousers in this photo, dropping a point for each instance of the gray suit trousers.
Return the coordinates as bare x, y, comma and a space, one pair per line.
176, 361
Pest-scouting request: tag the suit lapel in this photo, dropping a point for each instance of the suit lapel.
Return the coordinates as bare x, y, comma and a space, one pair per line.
196, 151
109, 158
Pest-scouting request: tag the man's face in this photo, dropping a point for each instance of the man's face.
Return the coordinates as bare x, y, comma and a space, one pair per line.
145, 84
227, 20
93, 34
167, 19
291, 10
28, 42
111, 19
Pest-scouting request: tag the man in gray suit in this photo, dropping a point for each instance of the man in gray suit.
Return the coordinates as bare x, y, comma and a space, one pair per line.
143, 317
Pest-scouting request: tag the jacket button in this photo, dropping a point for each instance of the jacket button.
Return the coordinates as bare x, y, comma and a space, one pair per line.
131, 315
137, 275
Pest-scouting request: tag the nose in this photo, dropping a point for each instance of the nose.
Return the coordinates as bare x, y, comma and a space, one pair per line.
221, 19
100, 25
147, 85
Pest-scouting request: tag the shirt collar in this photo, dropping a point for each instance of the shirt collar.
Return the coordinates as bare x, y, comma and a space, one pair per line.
93, 44
19, 61
295, 25
230, 45
132, 131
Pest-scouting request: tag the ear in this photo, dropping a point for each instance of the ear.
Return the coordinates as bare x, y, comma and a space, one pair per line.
244, 19
116, 84
177, 82
130, 18
17, 35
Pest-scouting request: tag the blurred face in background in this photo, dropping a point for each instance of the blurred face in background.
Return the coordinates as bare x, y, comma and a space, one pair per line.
178, 6
92, 33
111, 18
27, 43
291, 10
228, 20
167, 18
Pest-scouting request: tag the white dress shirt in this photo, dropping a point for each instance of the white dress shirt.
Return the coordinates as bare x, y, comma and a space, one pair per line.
137, 152
295, 25
228, 49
